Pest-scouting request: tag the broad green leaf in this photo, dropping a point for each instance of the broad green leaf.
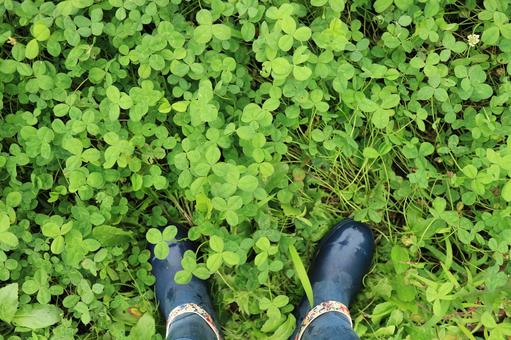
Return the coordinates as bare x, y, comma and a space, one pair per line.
400, 259
57, 245
61, 109
439, 204
231, 217
113, 94
245, 132
32, 49
488, 321
285, 42
367, 105
202, 34
180, 106
280, 301
161, 250
263, 243
390, 101
231, 258
111, 236
380, 118
426, 149
37, 316
214, 262
381, 310
95, 180
153, 236
405, 292
40, 31
204, 17
425, 93
301, 73
303, 33
5, 222
490, 35
72, 145
9, 239
144, 328
156, 62
96, 75
248, 31
183, 277
221, 31
370, 153
506, 191
403, 4
470, 171
248, 183
136, 182
506, 30
8, 302
13, 199
125, 101
285, 330
441, 94
179, 69
169, 233
216, 243
382, 5
281, 66
75, 249
201, 273
212, 154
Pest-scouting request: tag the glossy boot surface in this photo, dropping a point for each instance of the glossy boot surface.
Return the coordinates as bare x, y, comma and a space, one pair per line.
170, 294
344, 257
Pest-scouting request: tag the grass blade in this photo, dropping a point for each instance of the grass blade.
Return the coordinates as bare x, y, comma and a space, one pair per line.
302, 273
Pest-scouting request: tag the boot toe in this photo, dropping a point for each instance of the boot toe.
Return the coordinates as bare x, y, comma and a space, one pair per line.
348, 248
344, 257
170, 294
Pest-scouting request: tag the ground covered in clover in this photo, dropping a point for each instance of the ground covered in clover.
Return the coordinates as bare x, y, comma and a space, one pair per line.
257, 124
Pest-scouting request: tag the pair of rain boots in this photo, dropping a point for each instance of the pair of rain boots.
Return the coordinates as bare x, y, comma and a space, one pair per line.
343, 258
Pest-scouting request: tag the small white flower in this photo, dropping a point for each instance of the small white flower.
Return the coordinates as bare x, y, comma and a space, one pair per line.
473, 39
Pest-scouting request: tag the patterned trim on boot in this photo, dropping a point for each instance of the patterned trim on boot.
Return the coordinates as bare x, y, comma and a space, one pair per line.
322, 308
195, 309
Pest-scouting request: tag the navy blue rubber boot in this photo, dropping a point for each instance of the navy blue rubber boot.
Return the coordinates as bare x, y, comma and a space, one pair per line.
330, 326
171, 295
190, 327
344, 257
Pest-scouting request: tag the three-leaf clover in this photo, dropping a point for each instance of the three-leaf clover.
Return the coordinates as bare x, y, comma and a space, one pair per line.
472, 84
118, 100
499, 25
265, 249
161, 240
206, 29
272, 308
56, 230
190, 268
220, 256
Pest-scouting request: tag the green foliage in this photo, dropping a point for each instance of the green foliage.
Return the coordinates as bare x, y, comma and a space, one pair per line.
302, 274
258, 124
161, 240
